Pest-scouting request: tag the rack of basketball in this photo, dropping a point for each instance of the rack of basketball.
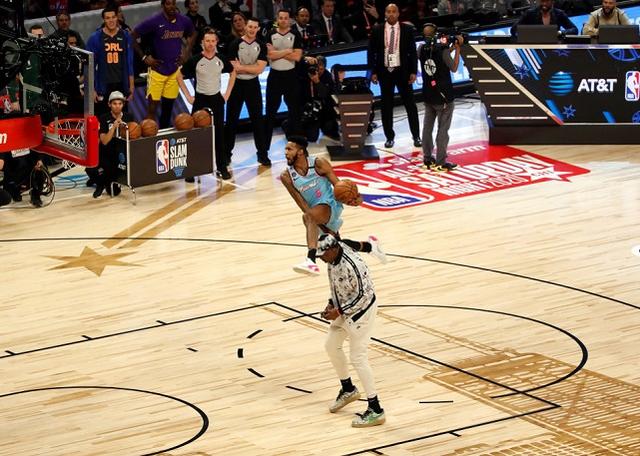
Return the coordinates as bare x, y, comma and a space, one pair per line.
151, 156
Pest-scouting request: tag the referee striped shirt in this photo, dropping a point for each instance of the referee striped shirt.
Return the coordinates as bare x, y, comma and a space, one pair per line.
351, 286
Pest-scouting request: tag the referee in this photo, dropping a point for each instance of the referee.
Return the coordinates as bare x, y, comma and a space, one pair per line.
249, 58
284, 49
206, 68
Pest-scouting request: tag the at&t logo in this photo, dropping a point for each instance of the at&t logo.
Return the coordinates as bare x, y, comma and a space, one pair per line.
592, 85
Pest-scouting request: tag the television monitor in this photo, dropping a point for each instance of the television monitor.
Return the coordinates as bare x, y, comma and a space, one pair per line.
537, 34
618, 34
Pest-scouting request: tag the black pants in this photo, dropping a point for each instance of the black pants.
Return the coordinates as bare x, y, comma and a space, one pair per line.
388, 81
17, 173
216, 104
249, 92
107, 170
282, 84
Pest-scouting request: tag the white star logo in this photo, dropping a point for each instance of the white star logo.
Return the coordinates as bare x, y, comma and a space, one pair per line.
545, 173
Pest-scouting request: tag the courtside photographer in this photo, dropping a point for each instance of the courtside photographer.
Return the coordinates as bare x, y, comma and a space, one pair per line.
318, 112
436, 65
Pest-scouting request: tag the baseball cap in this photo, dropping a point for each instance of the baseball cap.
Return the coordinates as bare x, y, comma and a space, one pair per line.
116, 95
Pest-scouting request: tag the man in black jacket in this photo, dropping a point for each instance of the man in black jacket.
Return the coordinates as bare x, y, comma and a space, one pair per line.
546, 14
392, 58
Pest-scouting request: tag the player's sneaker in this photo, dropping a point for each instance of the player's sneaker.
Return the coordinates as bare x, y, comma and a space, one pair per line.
307, 267
368, 418
344, 399
376, 249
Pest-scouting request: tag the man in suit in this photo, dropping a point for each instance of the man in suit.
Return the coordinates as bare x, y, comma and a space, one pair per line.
269, 9
393, 61
330, 25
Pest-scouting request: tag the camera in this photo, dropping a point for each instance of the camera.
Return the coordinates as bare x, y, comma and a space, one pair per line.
312, 70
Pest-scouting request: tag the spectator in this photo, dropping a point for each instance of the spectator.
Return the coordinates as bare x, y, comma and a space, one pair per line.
167, 28
544, 13
63, 22
220, 15
113, 58
269, 9
238, 24
360, 17
330, 25
192, 7
121, 20
305, 30
36, 30
609, 14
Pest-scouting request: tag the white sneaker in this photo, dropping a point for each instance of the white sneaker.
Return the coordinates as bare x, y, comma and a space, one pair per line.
376, 249
307, 267
344, 399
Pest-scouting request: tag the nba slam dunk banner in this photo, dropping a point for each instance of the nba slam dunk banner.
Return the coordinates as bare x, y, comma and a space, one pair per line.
401, 181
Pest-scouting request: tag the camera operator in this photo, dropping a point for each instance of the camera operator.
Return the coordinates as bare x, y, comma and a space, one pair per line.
318, 111
436, 65
21, 167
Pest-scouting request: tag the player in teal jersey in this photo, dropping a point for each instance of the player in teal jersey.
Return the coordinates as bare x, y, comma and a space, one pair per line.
310, 182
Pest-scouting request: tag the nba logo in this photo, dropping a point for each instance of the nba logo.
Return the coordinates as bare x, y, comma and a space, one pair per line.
162, 156
632, 86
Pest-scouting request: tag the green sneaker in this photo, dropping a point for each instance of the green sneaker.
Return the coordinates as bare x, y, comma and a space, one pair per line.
368, 418
344, 399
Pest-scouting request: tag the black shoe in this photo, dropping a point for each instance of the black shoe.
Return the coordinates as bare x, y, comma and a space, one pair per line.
191, 180
98, 191
224, 174
35, 199
449, 166
389, 143
417, 142
116, 189
429, 162
264, 160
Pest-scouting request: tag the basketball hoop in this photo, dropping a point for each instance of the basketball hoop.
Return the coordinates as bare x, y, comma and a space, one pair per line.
69, 131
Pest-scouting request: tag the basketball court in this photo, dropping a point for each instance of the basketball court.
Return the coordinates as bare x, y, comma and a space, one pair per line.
508, 320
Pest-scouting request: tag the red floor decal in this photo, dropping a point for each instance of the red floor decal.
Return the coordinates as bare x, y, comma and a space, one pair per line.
401, 181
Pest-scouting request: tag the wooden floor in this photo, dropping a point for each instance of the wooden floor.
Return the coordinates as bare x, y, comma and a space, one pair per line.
509, 322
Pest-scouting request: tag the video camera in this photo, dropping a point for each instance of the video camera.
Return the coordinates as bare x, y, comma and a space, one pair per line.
445, 37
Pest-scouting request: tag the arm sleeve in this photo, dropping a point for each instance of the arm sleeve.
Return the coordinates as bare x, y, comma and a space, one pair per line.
130, 53
232, 50
145, 27
568, 26
589, 27
411, 52
226, 64
448, 61
188, 70
263, 52
297, 41
624, 19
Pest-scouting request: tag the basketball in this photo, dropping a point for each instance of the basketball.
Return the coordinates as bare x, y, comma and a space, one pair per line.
183, 121
134, 130
346, 192
149, 127
201, 118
